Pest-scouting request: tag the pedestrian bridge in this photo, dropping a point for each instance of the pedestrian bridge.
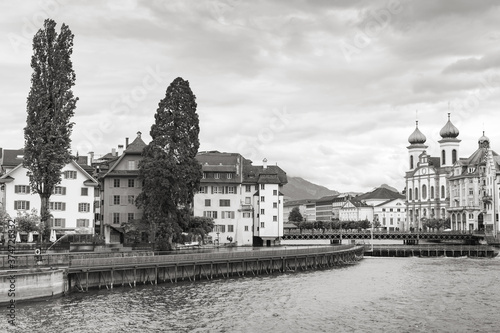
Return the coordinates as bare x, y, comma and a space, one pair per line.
406, 237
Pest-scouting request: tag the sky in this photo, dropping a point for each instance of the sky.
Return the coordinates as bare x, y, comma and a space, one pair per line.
328, 90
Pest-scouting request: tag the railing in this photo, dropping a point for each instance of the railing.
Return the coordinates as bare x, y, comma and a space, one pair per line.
200, 257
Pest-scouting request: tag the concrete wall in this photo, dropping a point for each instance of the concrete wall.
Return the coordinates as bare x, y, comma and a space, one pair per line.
31, 284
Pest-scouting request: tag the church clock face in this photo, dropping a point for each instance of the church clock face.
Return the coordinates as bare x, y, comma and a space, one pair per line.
424, 171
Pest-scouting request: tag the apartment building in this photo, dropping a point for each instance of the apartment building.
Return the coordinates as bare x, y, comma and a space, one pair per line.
244, 200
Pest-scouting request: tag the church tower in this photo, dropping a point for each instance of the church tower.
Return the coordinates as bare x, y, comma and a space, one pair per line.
449, 144
417, 146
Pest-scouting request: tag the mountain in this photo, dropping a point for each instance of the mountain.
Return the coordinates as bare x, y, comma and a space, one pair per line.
390, 188
298, 188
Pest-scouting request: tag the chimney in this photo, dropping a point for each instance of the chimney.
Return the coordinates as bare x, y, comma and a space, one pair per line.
91, 157
82, 160
264, 163
113, 152
139, 134
126, 143
120, 149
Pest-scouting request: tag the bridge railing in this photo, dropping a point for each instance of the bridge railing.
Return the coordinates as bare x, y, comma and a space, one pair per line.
200, 257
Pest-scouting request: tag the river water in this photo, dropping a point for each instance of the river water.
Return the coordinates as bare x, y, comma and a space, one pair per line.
374, 295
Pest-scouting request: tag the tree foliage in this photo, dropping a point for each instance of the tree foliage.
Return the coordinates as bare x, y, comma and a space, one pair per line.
169, 169
50, 106
200, 226
28, 222
295, 215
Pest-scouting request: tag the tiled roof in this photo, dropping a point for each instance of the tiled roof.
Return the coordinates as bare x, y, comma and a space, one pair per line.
435, 161
10, 157
380, 193
136, 147
298, 202
273, 174
217, 158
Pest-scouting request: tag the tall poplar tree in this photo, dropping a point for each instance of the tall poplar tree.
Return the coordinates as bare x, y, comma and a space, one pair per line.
50, 106
169, 169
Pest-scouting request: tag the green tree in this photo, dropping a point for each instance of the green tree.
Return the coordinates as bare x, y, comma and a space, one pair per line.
4, 223
169, 169
50, 106
295, 215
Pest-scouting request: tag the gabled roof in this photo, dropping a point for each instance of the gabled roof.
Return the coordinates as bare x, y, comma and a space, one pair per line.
380, 193
388, 201
356, 203
136, 147
273, 174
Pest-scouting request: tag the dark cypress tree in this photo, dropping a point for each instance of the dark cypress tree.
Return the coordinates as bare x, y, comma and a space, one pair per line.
169, 169
295, 215
50, 106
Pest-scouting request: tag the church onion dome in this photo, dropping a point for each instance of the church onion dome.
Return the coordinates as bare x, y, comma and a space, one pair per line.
449, 130
484, 141
417, 137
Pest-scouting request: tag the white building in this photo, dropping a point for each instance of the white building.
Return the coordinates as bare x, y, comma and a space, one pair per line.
244, 200
391, 214
355, 210
71, 204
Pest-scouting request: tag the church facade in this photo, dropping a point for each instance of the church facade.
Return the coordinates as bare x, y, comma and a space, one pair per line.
463, 190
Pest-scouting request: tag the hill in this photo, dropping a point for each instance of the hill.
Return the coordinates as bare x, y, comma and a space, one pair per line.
298, 188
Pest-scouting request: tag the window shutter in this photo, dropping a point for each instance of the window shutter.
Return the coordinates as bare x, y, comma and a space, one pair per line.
212, 190
16, 204
110, 218
27, 205
63, 223
232, 215
63, 206
123, 200
86, 223
16, 189
111, 201
27, 189
51, 222
64, 191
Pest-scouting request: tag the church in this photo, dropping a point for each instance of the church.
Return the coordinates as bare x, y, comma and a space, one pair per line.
463, 190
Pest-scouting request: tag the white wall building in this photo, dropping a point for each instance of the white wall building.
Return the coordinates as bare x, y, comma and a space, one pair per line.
71, 204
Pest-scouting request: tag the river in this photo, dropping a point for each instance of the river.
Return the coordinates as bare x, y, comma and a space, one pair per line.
375, 295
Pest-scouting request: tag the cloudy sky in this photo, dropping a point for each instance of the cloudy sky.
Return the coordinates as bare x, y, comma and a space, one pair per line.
328, 90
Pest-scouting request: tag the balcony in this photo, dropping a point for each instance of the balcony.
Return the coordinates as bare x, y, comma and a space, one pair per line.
245, 208
487, 198
462, 208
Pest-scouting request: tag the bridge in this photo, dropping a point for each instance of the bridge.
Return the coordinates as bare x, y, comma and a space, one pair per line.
405, 237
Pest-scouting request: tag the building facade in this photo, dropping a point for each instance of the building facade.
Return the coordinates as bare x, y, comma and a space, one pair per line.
244, 200
71, 204
427, 193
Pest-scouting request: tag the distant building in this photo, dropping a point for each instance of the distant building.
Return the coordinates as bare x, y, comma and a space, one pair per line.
426, 180
244, 200
328, 208
356, 210
388, 207
300, 204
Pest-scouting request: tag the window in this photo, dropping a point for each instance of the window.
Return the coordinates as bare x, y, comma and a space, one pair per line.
59, 223
57, 206
130, 216
131, 199
116, 182
204, 189
246, 215
230, 190
82, 223
424, 192
22, 189
116, 218
217, 189
262, 224
411, 162
275, 218
398, 210
204, 175
390, 209
432, 192
208, 202
275, 205
132, 165
224, 203
208, 213
383, 221
246, 228
453, 156
230, 228
229, 176
84, 207
262, 199
262, 186
409, 195
217, 175
471, 191
116, 199
220, 228
60, 190
262, 211
21, 205
248, 188
69, 174
443, 193
131, 183
248, 200
383, 209
443, 157
416, 193
391, 221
